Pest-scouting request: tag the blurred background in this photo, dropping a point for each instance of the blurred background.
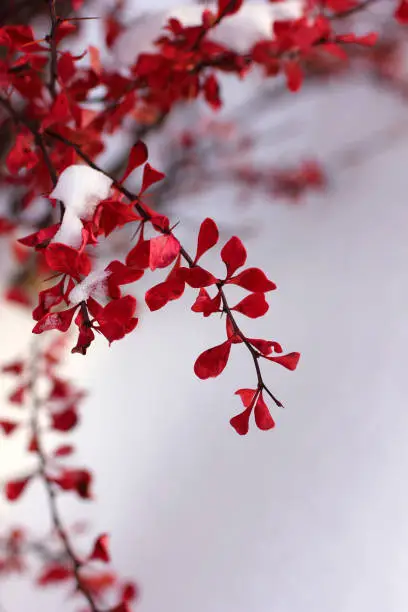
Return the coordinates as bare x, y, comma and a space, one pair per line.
311, 516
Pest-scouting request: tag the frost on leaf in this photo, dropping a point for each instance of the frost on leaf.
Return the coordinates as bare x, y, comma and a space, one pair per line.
95, 285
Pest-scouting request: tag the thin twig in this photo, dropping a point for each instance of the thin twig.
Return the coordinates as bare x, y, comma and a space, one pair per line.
186, 256
353, 10
52, 85
49, 487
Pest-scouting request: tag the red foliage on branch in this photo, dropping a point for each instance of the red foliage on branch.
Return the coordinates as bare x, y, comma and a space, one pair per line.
55, 137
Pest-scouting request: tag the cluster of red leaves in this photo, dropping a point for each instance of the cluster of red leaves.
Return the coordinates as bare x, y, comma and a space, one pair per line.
56, 129
291, 183
44, 95
55, 411
186, 63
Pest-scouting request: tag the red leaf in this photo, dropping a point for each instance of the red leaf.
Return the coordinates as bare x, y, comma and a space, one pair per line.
197, 277
231, 332
5, 226
120, 275
65, 420
15, 488
43, 236
54, 573
138, 155
65, 259
294, 75
85, 338
129, 591
116, 318
17, 396
100, 550
63, 451
265, 346
159, 295
55, 320
368, 40
247, 396
48, 299
150, 176
115, 214
240, 422
253, 279
33, 445
138, 257
122, 607
75, 480
21, 155
401, 14
205, 304
334, 50
8, 427
207, 238
213, 361
163, 250
59, 112
212, 92
233, 254
263, 418
18, 295
253, 306
16, 368
288, 361
66, 67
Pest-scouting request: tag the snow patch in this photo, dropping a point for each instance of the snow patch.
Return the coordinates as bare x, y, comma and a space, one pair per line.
80, 188
93, 285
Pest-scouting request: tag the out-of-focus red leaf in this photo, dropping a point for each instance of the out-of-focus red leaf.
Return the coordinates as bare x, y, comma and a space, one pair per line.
14, 488
100, 550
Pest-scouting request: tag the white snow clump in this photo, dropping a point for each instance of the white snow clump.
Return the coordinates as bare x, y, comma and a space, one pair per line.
93, 285
80, 188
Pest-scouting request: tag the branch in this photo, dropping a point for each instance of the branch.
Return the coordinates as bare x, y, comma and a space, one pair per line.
50, 38
49, 487
355, 9
38, 137
183, 252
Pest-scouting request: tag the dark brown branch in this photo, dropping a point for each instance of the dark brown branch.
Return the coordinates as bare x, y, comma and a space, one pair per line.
52, 85
186, 256
355, 9
38, 138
